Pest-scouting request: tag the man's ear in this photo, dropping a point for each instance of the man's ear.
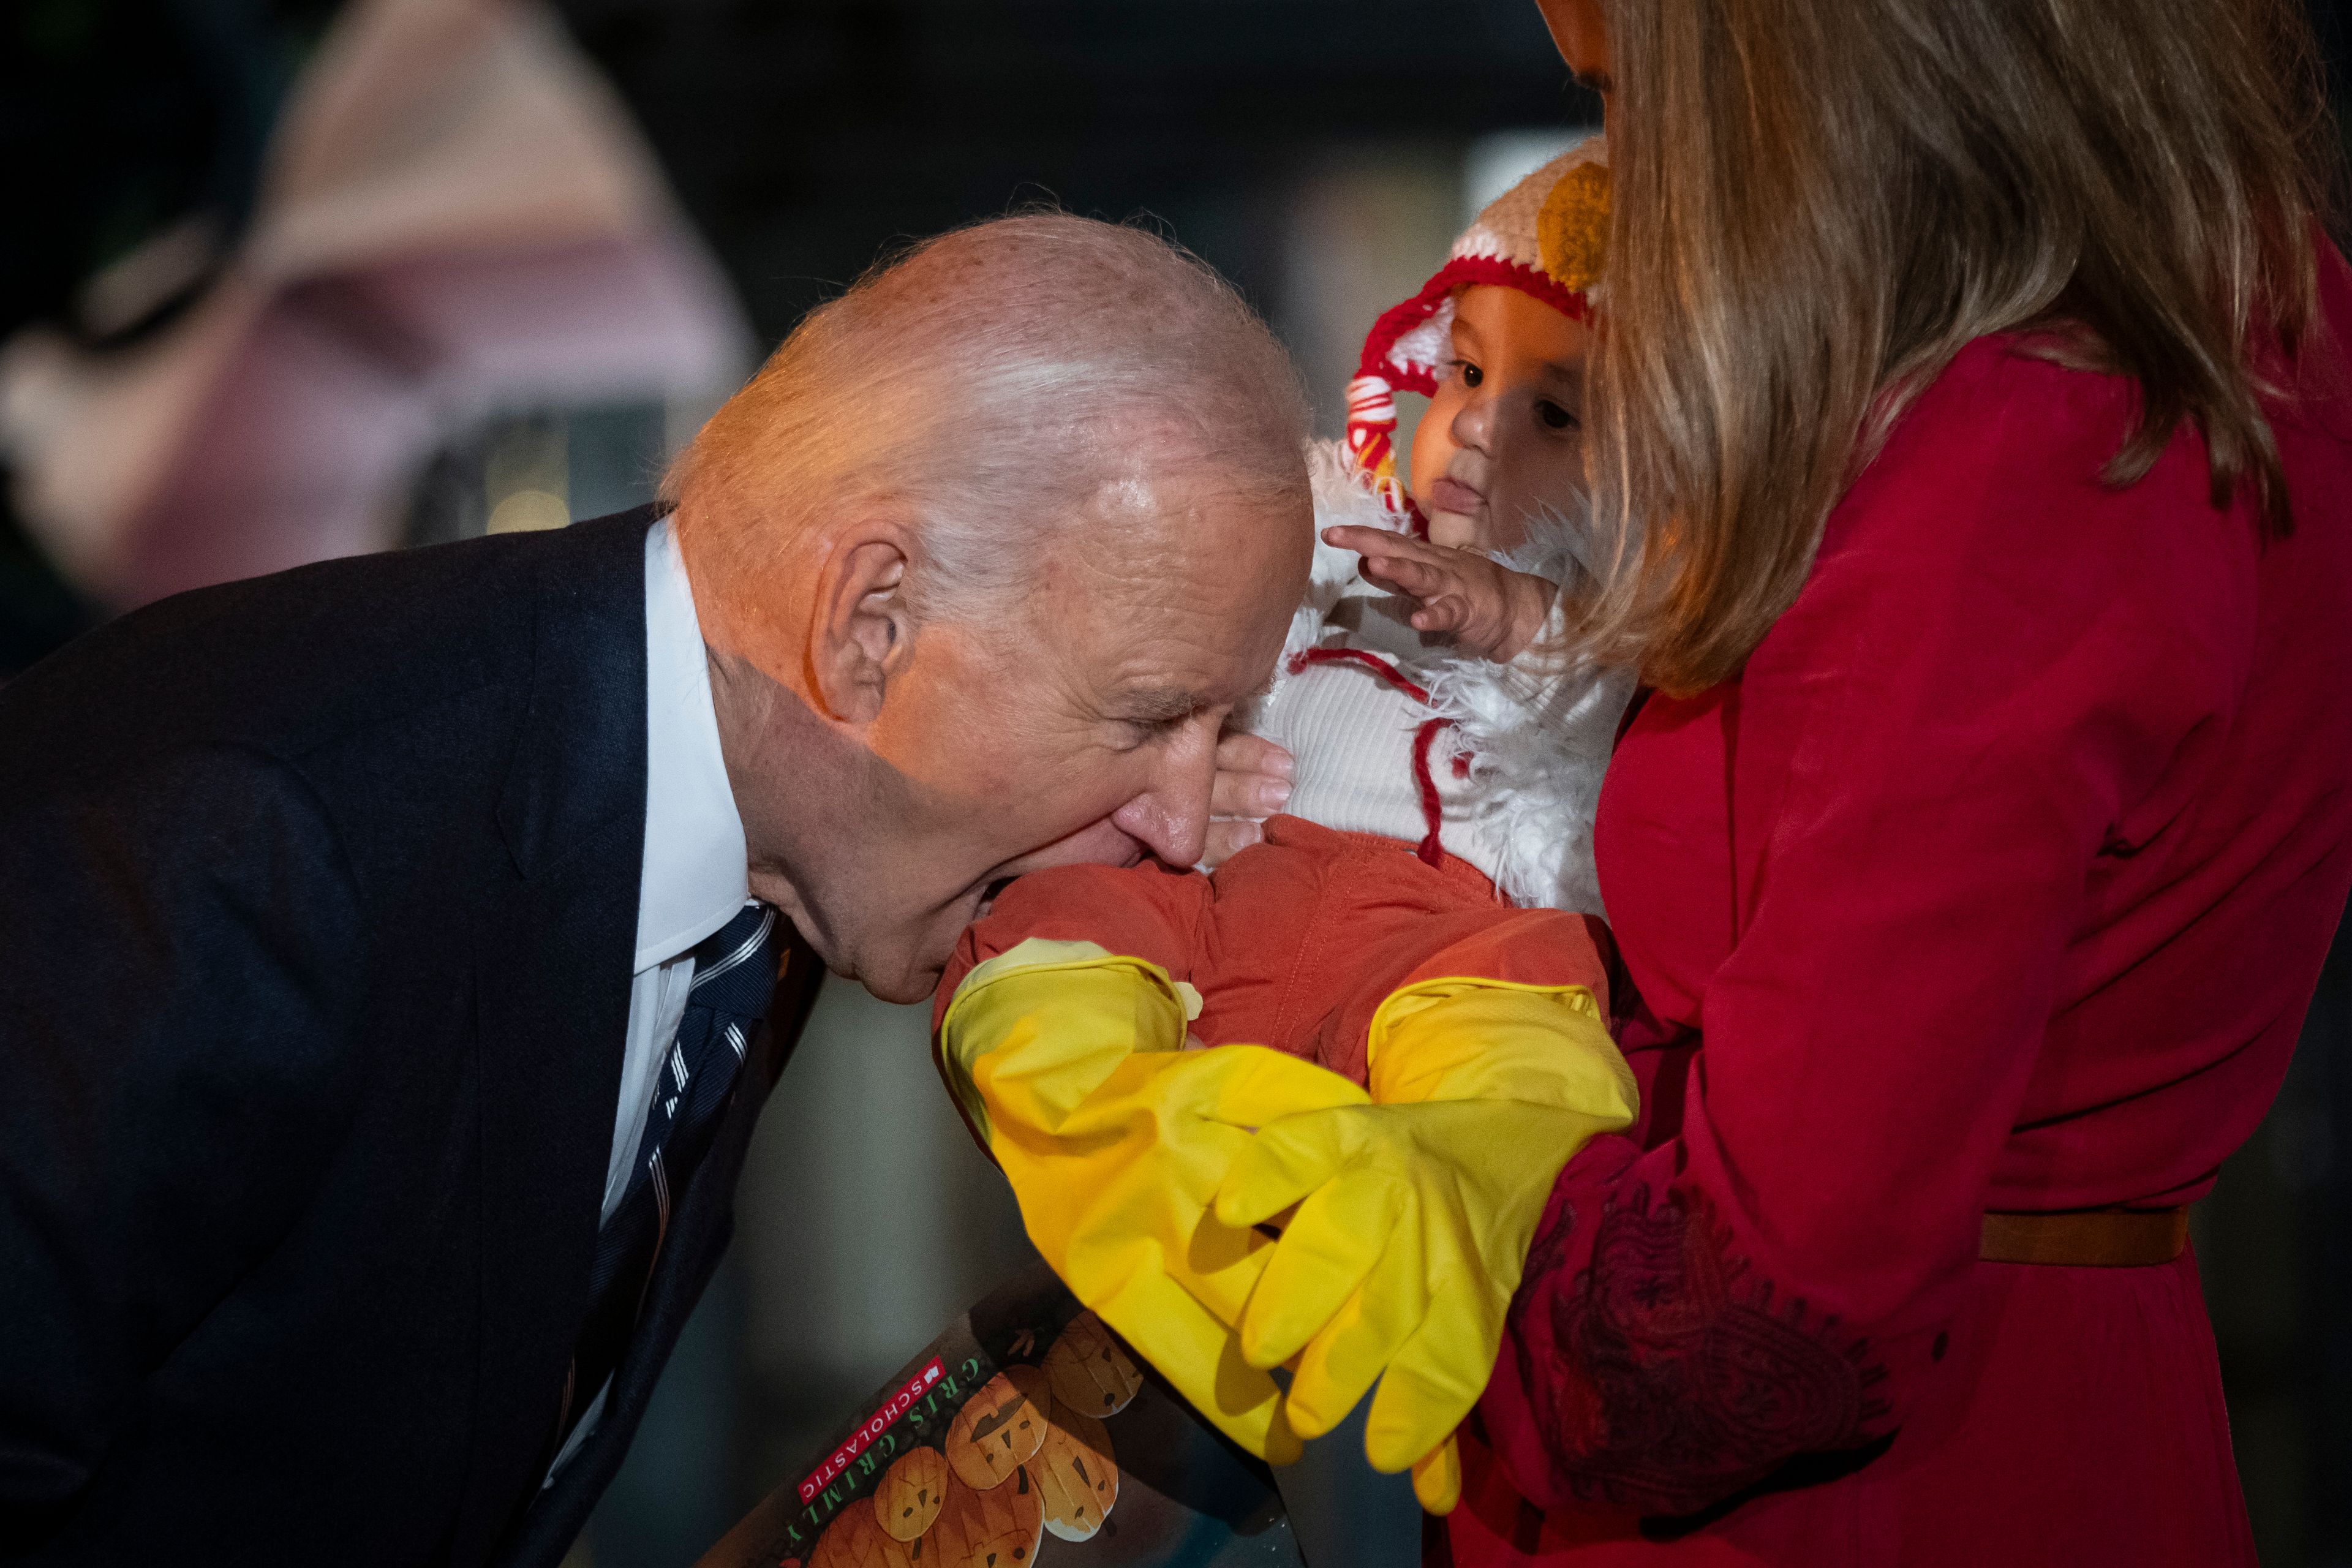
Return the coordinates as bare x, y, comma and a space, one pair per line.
863, 632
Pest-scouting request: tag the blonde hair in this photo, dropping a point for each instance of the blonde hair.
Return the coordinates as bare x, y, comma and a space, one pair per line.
1817, 202
990, 381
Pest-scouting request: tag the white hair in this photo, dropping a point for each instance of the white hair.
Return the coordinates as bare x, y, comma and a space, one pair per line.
1002, 382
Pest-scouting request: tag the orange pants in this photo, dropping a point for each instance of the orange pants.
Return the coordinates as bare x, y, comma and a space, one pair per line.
1296, 942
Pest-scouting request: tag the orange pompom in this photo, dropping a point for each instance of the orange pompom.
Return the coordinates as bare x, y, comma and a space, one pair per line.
1572, 229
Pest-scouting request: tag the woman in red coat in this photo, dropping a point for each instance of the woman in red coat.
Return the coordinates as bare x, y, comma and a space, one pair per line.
1980, 375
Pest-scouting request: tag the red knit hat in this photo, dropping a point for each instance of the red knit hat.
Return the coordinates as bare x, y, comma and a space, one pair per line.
1546, 237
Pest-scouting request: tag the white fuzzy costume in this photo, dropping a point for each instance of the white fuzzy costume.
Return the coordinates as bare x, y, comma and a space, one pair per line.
1517, 766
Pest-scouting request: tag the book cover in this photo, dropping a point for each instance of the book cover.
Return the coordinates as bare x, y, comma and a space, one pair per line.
1026, 1432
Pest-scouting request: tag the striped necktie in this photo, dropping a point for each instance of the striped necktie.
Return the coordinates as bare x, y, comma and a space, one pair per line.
734, 976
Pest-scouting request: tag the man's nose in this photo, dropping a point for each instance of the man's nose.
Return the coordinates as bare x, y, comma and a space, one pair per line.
1171, 818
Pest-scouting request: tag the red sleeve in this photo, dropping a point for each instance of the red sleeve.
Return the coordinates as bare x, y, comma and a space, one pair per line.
1528, 947
1146, 911
1996, 667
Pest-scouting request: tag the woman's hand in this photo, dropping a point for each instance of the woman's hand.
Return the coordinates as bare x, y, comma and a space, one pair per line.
1491, 611
1254, 779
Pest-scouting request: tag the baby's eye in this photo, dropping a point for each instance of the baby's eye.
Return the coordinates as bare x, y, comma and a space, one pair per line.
1471, 374
1554, 416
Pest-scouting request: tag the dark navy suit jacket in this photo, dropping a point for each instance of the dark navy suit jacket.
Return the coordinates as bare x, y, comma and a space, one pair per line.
318, 909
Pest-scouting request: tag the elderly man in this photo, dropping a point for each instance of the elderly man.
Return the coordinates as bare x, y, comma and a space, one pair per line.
384, 946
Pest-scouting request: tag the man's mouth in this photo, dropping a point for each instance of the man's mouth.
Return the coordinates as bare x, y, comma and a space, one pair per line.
988, 897
1450, 494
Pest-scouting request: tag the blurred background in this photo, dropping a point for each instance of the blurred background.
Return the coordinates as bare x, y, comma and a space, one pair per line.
290, 278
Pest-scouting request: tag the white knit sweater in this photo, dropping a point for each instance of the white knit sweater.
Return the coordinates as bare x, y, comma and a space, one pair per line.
1518, 769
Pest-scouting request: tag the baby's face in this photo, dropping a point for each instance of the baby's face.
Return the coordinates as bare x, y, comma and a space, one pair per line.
1504, 437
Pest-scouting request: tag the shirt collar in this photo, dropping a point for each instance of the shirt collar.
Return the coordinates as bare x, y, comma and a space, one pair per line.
694, 877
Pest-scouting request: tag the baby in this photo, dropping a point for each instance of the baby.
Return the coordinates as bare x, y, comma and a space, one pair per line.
1424, 919
1499, 763
1446, 767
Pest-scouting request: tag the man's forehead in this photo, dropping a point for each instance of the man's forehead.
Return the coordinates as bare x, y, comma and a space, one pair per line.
1143, 525
1132, 497
1169, 650
1176, 546
1169, 590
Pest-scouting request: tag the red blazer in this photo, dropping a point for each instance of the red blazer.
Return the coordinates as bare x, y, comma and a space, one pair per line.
2001, 880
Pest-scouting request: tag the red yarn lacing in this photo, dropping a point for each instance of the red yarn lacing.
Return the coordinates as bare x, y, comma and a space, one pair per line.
1433, 810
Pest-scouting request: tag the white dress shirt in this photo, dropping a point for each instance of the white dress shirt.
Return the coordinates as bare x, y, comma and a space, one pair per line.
693, 878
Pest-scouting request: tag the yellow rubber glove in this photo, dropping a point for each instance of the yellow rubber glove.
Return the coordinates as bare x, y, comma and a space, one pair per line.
1465, 1038
1068, 1061
1415, 1213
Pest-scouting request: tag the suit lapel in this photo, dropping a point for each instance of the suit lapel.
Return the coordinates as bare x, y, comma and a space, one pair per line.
552, 1000
705, 1222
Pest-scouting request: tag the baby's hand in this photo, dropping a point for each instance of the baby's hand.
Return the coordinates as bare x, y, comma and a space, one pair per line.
1491, 611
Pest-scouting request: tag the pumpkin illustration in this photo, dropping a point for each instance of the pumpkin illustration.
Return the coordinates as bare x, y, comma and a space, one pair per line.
855, 1539
1076, 1475
912, 1492
998, 1528
1034, 1383
1089, 1370
999, 1427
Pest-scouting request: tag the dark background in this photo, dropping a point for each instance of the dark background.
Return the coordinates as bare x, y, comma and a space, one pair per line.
804, 140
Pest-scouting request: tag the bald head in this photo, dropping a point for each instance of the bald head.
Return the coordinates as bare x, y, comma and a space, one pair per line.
1004, 386
984, 556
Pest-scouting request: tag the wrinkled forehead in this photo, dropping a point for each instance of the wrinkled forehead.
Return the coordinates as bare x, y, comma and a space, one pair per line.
1218, 534
1201, 571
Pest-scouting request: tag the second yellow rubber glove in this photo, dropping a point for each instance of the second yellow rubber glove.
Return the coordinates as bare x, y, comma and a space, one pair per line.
1067, 1060
1415, 1213
1463, 1039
